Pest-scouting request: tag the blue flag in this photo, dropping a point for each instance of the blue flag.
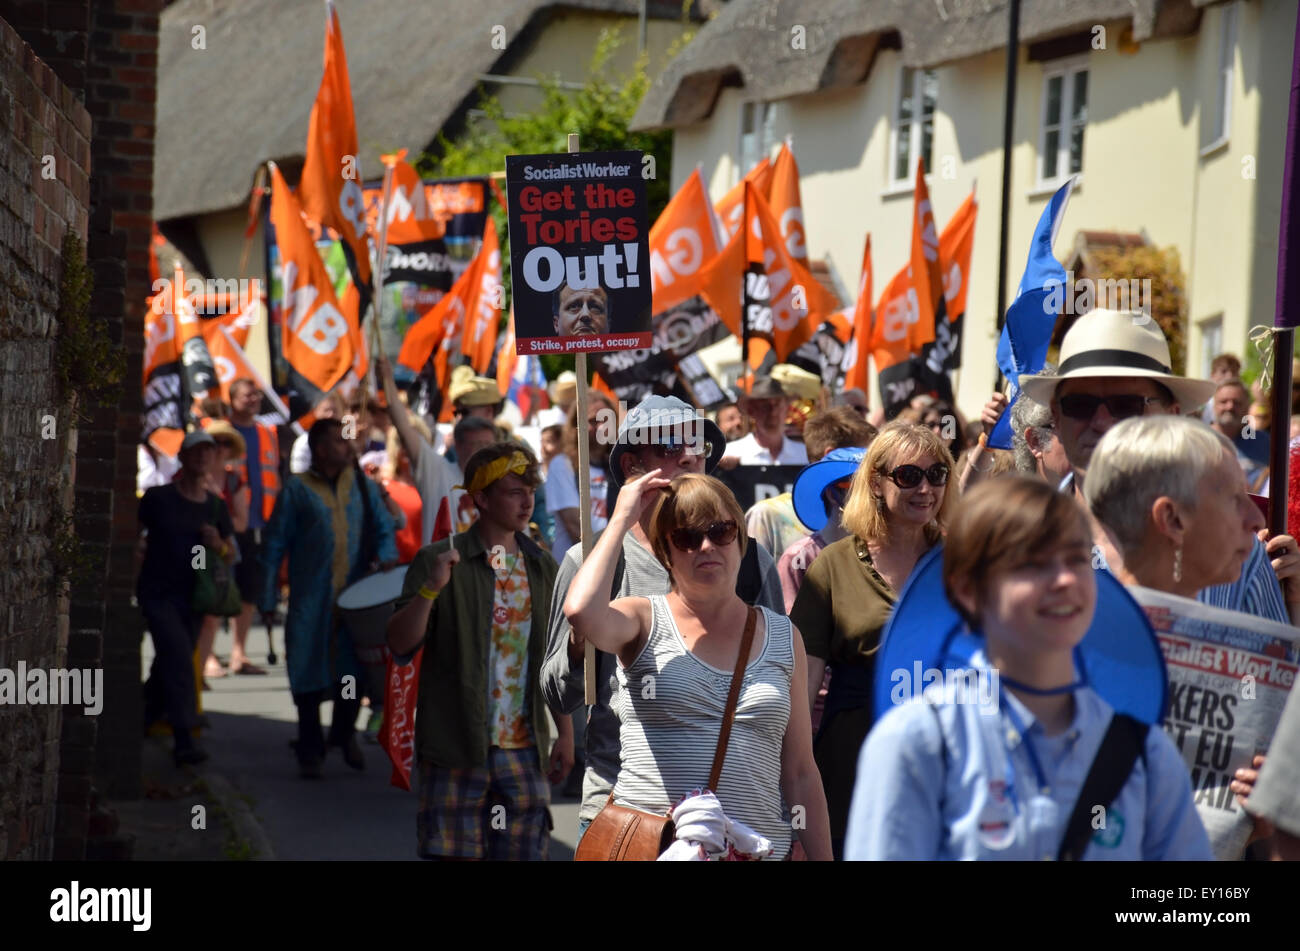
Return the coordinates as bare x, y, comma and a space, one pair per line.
1022, 348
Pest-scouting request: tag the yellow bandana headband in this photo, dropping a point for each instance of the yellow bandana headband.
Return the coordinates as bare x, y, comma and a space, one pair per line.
516, 462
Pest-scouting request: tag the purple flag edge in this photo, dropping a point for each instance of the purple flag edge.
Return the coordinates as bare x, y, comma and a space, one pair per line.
1287, 312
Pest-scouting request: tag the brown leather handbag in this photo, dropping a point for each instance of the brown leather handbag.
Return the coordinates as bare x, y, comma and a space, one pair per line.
621, 834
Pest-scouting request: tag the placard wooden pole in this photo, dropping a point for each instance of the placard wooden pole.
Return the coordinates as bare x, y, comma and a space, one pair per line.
584, 491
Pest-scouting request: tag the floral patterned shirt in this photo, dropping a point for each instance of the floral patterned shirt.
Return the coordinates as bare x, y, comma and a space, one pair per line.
508, 725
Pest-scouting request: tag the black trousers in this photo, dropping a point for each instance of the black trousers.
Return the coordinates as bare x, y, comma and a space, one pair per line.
311, 738
170, 687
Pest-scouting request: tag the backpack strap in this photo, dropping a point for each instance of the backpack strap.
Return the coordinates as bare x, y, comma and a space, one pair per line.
1124, 742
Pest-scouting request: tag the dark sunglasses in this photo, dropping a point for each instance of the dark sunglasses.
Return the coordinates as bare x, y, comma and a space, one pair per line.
1123, 406
690, 539
674, 450
909, 476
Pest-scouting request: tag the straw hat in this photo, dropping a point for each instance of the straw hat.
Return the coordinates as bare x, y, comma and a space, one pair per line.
797, 382
1112, 343
227, 436
564, 388
471, 390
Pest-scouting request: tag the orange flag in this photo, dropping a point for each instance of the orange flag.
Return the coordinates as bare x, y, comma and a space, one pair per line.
418, 211
732, 205
860, 346
483, 308
889, 346
316, 337
330, 188
598, 385
686, 236
924, 269
507, 358
786, 204
227, 356
785, 303
955, 246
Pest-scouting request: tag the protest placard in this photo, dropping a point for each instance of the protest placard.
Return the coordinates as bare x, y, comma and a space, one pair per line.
579, 254
750, 484
1229, 677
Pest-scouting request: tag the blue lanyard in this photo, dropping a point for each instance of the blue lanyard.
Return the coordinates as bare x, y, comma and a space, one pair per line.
1043, 786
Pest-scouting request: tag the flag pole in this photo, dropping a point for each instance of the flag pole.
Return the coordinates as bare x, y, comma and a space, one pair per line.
584, 490
1008, 127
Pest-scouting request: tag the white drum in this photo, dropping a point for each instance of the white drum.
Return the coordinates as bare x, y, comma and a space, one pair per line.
365, 607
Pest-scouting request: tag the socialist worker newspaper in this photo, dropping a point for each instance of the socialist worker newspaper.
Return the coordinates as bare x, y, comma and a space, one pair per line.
1229, 677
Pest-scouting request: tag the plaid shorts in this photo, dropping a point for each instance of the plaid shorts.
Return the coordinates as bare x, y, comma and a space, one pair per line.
498, 811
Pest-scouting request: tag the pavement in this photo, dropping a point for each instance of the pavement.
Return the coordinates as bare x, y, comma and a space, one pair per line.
256, 805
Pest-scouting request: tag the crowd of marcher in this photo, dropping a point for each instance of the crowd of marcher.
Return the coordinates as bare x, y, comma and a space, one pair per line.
735, 652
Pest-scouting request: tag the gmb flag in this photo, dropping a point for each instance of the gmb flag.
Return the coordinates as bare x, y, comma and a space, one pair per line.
316, 340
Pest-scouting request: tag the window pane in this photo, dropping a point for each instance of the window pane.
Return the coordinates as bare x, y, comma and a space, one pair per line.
903, 152
905, 96
1079, 101
1051, 149
927, 137
746, 118
1076, 149
929, 91
1054, 101
769, 128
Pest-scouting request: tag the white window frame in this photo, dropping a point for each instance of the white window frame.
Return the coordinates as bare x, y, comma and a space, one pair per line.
764, 114
1224, 79
1065, 70
907, 182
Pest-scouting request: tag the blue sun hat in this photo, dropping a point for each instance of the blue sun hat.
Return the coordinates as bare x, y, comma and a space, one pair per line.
1119, 657
812, 482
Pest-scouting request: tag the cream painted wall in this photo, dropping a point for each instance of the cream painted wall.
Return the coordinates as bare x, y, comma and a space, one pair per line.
1141, 170
222, 237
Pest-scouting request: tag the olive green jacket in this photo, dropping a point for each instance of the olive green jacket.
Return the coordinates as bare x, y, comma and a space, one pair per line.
451, 729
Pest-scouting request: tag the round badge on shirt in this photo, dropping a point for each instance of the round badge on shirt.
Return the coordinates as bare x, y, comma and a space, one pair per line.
996, 821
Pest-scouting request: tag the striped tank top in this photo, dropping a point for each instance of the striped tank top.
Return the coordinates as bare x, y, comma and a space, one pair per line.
670, 706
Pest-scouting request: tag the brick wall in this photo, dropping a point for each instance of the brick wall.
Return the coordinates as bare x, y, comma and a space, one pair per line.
39, 116
107, 52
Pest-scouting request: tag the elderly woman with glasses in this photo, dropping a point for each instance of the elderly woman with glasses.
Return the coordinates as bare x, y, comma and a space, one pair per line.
895, 512
677, 654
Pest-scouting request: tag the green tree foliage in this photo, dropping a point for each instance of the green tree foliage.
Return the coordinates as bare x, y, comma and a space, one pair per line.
599, 112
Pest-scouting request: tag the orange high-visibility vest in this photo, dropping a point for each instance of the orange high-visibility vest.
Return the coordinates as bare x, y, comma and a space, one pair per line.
268, 453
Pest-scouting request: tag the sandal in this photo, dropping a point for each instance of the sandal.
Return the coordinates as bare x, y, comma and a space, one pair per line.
248, 668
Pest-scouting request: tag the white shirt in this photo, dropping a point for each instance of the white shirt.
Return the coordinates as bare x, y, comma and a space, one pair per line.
750, 453
436, 479
562, 493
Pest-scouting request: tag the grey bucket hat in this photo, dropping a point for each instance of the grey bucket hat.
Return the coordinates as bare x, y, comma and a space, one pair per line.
655, 417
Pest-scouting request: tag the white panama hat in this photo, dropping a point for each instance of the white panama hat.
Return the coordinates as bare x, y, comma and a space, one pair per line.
1113, 343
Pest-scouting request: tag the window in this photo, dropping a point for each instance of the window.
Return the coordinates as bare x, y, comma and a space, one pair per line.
1065, 114
757, 134
1223, 76
918, 89
1211, 343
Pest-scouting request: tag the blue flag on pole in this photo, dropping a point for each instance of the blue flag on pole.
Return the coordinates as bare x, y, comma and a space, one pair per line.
1022, 348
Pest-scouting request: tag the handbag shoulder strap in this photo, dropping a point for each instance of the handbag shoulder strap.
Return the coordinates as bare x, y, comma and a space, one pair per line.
1124, 742
733, 695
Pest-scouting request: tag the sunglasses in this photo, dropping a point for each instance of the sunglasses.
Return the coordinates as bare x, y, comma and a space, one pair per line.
690, 539
672, 449
909, 476
1123, 406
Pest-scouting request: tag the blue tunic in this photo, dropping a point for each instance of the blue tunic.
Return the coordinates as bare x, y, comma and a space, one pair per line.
310, 518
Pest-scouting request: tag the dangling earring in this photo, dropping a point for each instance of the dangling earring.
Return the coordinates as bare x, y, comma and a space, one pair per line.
1178, 564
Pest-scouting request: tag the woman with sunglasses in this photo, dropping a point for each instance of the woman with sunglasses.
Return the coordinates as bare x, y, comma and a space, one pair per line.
895, 512
676, 654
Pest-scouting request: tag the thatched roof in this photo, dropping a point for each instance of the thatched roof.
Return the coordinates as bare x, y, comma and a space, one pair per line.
756, 43
247, 97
